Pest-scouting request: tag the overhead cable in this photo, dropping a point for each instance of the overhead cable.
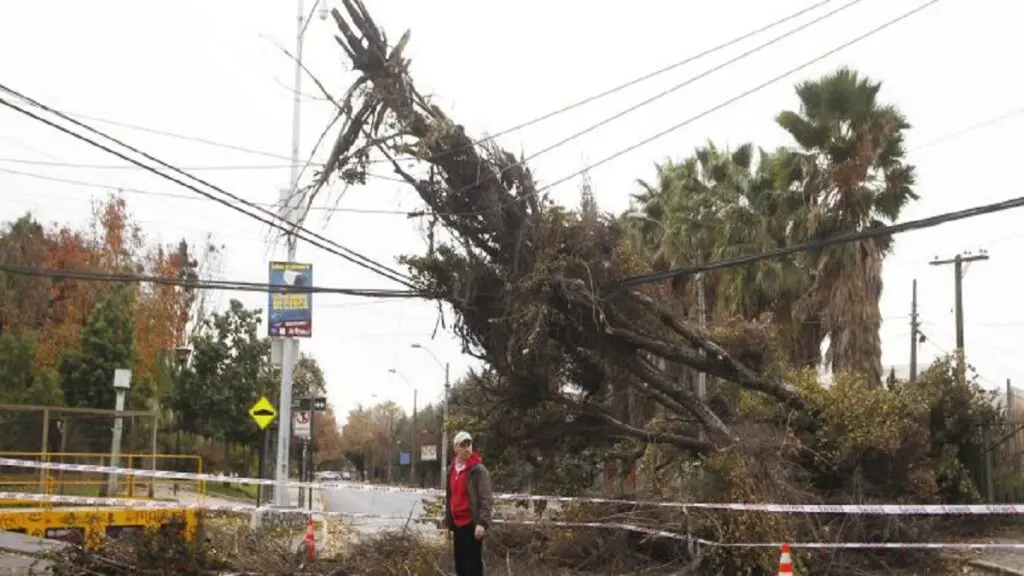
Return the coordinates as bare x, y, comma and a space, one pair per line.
243, 286
874, 232
289, 228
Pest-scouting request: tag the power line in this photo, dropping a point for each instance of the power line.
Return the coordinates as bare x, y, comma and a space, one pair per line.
653, 74
520, 126
969, 129
221, 168
240, 286
658, 96
685, 83
295, 229
177, 136
893, 229
742, 95
410, 214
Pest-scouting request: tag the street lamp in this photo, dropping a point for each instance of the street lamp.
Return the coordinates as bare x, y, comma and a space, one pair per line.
444, 422
415, 444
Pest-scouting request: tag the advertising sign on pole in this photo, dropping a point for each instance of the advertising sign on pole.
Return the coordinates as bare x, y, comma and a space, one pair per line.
301, 427
428, 453
290, 312
404, 458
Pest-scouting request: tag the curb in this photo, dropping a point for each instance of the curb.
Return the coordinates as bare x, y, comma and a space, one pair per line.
993, 568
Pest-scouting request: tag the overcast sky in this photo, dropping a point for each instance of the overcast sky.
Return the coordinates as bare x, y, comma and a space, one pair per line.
213, 69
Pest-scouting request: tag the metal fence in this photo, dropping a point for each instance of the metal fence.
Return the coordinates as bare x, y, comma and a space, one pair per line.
84, 436
73, 483
31, 428
1000, 465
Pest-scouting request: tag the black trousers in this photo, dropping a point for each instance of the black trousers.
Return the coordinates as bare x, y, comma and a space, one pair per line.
469, 559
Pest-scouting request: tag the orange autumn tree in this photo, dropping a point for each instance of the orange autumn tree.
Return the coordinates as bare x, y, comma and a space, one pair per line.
162, 311
112, 242
70, 300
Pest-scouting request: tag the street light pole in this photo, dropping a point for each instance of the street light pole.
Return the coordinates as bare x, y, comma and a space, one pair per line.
415, 433
444, 422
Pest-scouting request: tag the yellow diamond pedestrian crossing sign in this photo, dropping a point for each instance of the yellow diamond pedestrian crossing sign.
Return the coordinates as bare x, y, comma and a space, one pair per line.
262, 413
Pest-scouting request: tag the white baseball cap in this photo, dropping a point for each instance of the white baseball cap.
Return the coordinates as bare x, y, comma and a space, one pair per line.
461, 437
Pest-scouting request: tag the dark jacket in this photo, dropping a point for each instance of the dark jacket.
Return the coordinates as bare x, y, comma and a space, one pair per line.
481, 497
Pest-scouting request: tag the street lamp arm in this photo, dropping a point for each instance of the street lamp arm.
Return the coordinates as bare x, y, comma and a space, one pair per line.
402, 376
432, 355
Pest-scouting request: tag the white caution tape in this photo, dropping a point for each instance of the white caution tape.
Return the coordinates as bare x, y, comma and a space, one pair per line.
853, 509
89, 501
871, 545
869, 509
652, 532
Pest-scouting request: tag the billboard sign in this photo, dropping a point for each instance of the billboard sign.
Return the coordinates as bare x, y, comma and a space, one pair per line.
290, 312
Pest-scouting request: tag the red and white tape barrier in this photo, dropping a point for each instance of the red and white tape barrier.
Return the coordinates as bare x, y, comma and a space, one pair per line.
89, 501
654, 533
861, 509
870, 545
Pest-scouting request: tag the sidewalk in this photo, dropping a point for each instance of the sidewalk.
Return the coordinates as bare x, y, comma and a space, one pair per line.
188, 497
12, 563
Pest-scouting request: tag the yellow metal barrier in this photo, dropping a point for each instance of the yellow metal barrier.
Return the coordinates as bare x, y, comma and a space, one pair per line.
126, 485
90, 527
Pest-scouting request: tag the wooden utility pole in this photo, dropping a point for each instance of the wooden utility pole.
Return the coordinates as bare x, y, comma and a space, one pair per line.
914, 326
958, 262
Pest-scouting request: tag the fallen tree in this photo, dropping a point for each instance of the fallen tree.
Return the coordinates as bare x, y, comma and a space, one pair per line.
577, 362
534, 286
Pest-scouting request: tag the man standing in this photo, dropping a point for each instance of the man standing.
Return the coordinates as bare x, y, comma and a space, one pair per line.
468, 502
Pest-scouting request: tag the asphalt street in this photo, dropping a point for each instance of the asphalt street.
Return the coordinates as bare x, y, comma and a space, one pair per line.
398, 505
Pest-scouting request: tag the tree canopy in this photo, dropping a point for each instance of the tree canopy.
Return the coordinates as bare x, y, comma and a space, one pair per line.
62, 339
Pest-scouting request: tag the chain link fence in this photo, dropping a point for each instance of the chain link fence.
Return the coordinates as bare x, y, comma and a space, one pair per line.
85, 436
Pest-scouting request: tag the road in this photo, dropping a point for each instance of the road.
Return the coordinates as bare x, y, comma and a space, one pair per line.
395, 504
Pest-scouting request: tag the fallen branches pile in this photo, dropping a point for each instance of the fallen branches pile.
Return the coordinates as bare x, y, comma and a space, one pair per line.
235, 549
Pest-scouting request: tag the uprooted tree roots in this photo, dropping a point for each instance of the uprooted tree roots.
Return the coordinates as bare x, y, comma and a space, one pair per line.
576, 358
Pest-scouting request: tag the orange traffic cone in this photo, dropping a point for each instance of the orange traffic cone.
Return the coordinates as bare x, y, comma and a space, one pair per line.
785, 561
310, 538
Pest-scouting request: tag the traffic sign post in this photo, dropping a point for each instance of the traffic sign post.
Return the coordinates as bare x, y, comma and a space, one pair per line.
301, 427
304, 429
262, 412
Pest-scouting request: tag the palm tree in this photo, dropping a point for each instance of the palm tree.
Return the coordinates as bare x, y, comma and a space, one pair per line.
718, 204
848, 174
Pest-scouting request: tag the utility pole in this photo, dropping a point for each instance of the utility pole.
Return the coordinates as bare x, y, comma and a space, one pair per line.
702, 317
444, 427
914, 326
290, 206
958, 262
